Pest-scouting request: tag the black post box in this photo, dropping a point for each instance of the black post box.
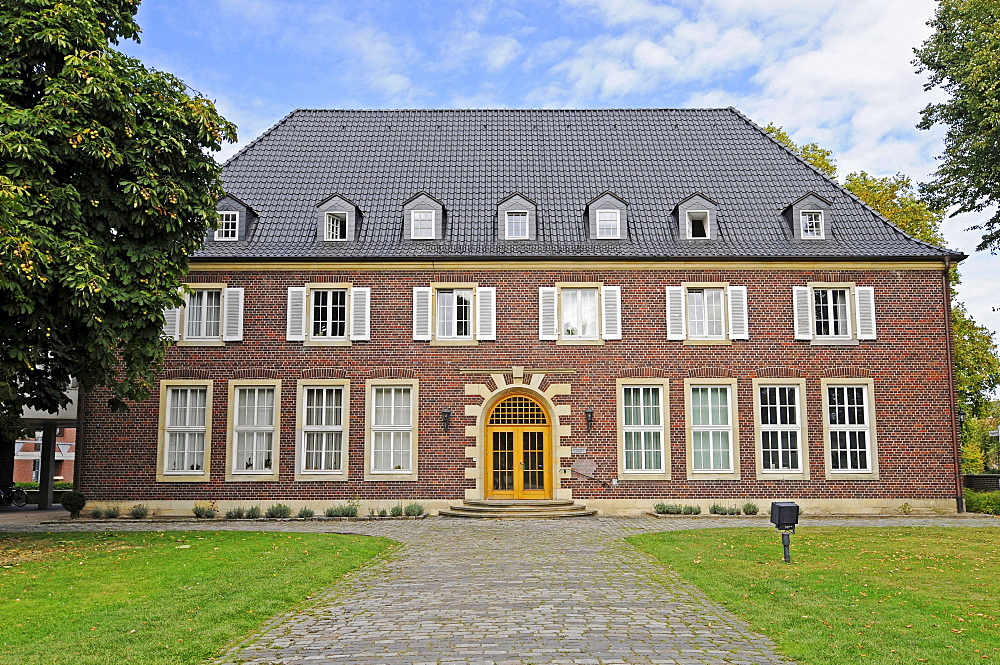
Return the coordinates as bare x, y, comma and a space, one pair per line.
784, 515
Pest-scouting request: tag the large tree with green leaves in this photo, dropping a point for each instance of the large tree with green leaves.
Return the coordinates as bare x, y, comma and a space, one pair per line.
977, 367
962, 57
107, 187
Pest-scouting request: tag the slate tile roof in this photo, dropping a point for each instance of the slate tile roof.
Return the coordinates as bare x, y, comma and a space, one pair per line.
562, 159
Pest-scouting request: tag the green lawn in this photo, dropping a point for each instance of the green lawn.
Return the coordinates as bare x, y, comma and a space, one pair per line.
162, 597
852, 595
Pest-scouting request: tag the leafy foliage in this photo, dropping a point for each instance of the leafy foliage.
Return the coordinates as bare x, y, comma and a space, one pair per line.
820, 158
982, 502
278, 510
962, 58
107, 187
73, 502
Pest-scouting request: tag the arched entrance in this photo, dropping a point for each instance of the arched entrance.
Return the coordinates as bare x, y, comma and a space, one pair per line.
519, 450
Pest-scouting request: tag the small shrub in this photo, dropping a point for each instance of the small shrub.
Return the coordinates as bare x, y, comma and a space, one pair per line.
371, 512
57, 485
113, 512
306, 512
382, 512
236, 513
73, 502
341, 511
668, 508
987, 503
253, 513
139, 511
691, 510
906, 509
97, 513
204, 512
717, 509
413, 510
750, 508
278, 510
397, 510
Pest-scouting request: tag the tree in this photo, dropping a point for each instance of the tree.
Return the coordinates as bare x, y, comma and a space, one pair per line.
108, 186
821, 158
962, 57
977, 367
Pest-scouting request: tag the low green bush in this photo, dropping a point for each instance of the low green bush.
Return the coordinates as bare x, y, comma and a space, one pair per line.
113, 512
97, 514
73, 502
341, 511
668, 508
253, 513
278, 510
202, 511
139, 511
306, 512
413, 510
691, 510
57, 485
236, 513
382, 512
397, 510
982, 502
750, 508
717, 509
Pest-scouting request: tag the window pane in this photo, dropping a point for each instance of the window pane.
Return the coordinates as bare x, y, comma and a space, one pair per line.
517, 224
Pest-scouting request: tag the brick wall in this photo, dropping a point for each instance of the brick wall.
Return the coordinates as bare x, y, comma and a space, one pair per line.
907, 362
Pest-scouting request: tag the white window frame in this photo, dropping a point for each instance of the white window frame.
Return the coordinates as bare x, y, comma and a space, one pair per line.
691, 309
731, 428
413, 224
330, 226
705, 217
552, 314
163, 474
448, 314
229, 226
662, 386
800, 429
735, 316
567, 303
428, 324
236, 469
860, 323
615, 230
507, 225
830, 311
230, 313
312, 295
817, 232
372, 429
303, 428
201, 311
866, 386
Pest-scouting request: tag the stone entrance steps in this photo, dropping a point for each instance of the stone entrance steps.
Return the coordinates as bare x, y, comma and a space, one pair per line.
518, 509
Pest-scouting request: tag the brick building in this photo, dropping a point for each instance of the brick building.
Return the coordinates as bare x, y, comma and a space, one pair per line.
615, 307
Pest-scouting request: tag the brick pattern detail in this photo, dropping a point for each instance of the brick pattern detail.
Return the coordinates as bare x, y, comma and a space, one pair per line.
256, 373
643, 373
846, 373
710, 373
778, 373
186, 373
331, 278
324, 373
908, 364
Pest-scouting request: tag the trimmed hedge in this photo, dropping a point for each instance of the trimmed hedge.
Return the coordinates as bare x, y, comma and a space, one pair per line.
982, 502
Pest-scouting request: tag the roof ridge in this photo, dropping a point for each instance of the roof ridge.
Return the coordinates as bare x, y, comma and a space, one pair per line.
511, 110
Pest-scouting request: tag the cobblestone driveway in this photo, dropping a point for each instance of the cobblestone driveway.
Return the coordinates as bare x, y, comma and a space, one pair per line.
489, 592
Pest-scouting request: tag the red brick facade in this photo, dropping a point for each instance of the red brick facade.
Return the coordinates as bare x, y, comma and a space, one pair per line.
908, 364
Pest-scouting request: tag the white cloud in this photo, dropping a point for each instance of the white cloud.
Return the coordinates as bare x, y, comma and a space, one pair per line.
617, 12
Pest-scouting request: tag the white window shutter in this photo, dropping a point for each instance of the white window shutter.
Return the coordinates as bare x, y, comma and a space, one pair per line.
421, 313
548, 324
486, 312
739, 326
802, 300
676, 327
611, 304
361, 299
864, 308
295, 330
232, 324
172, 323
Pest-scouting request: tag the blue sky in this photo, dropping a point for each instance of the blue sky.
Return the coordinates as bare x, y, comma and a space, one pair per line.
837, 72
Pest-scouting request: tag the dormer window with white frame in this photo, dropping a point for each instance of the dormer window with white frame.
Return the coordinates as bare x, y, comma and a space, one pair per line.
811, 224
608, 224
336, 226
697, 224
516, 223
229, 225
422, 224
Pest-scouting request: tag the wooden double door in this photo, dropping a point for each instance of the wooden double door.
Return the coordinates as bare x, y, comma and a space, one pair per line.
518, 438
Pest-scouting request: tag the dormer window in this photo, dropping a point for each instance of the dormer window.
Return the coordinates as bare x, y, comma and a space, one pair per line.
336, 226
811, 224
697, 224
608, 224
422, 224
517, 224
229, 226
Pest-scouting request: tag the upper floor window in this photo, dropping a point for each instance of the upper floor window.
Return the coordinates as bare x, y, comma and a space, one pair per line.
203, 314
812, 223
707, 312
608, 224
454, 313
422, 224
328, 313
229, 226
517, 224
212, 313
579, 313
336, 226
834, 313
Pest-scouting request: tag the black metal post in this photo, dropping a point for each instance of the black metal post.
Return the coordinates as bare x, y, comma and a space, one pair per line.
786, 542
47, 466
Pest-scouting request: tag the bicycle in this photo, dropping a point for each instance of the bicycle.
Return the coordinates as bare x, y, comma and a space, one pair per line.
11, 496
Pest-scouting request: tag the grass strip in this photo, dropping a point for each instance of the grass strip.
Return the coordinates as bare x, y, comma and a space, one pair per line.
851, 595
158, 597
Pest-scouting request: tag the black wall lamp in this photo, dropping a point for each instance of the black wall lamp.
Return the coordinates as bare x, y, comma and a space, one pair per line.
446, 419
590, 418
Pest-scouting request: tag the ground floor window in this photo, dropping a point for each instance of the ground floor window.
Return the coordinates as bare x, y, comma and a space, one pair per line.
780, 428
849, 428
185, 430
254, 408
711, 428
392, 430
642, 407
